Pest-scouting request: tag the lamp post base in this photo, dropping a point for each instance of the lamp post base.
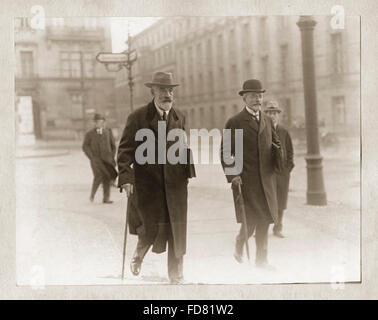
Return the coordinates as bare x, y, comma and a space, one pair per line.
316, 198
316, 194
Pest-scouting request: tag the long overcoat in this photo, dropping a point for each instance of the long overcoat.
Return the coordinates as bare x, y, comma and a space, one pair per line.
101, 150
160, 189
283, 177
258, 172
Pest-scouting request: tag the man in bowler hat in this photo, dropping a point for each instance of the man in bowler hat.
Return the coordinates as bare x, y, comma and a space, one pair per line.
257, 178
158, 190
100, 148
283, 177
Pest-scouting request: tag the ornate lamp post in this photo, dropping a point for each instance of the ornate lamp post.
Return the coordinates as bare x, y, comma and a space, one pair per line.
116, 61
316, 194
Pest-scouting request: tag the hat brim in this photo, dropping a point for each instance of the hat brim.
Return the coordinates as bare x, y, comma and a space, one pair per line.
150, 84
273, 110
245, 91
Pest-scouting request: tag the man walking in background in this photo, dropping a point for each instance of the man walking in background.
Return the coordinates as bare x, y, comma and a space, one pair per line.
283, 177
159, 189
257, 179
100, 148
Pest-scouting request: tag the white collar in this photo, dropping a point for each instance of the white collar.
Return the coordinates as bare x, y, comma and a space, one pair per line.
254, 113
160, 111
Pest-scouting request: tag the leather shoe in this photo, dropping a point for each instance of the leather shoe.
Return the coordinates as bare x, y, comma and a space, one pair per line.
135, 266
238, 257
278, 234
107, 201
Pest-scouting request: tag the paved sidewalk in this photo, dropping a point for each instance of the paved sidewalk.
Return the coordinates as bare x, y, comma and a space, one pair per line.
73, 241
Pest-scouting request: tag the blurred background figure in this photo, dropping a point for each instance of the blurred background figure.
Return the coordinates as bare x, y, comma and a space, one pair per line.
283, 177
100, 148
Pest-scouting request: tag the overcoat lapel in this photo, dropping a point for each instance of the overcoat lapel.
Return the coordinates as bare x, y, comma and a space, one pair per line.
248, 117
262, 123
153, 117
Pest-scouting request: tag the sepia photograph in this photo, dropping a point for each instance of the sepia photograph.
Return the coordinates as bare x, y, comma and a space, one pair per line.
188, 150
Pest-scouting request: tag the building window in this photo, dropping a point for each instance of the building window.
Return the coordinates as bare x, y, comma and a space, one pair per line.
70, 64
337, 54
247, 69
191, 85
209, 54
234, 76
200, 83
210, 82
264, 69
232, 43
246, 41
338, 111
27, 64
192, 117
199, 55
89, 62
263, 32
202, 117
76, 106
284, 60
222, 83
220, 50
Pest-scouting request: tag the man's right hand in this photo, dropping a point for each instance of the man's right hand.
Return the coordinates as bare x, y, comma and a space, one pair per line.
129, 189
236, 181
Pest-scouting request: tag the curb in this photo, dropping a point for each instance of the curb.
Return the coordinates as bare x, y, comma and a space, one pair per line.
43, 155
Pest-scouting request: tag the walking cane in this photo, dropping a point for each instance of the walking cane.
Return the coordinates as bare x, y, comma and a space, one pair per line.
125, 237
242, 208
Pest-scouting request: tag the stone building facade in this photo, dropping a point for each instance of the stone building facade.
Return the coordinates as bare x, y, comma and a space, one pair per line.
211, 57
58, 76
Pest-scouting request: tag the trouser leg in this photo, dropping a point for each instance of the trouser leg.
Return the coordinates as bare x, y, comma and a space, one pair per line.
175, 264
240, 238
278, 226
141, 249
106, 189
262, 242
95, 184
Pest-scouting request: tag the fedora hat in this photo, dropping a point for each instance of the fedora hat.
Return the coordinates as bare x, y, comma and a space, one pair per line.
162, 79
98, 116
272, 106
252, 85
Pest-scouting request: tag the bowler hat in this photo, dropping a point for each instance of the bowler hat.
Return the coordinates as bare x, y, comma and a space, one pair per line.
251, 85
162, 79
98, 116
272, 106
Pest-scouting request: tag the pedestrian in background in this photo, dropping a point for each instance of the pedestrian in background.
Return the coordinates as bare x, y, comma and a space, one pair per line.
100, 148
283, 177
158, 191
257, 179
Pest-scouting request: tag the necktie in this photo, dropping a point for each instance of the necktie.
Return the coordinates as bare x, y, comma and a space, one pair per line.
99, 131
256, 117
164, 116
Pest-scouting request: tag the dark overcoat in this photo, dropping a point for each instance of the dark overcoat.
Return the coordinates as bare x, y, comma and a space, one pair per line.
101, 150
283, 177
258, 173
160, 189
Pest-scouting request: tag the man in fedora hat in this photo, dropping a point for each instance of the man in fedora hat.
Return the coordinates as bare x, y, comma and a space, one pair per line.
100, 148
283, 178
257, 179
159, 189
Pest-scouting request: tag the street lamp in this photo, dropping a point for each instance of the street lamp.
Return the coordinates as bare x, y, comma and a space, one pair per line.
114, 62
316, 194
